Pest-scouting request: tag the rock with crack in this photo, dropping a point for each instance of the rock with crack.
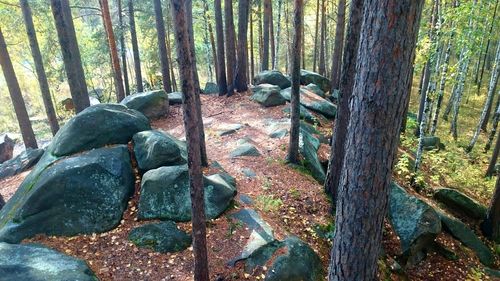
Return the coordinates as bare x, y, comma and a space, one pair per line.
315, 89
308, 147
313, 102
272, 77
82, 194
154, 149
162, 237
23, 162
153, 104
175, 98
165, 194
465, 235
97, 126
415, 222
461, 203
308, 77
6, 148
31, 262
219, 170
244, 148
267, 95
277, 128
291, 259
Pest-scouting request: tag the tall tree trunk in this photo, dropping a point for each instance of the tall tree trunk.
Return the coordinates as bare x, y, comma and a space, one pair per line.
491, 226
486, 51
230, 45
123, 51
339, 43
162, 48
442, 84
322, 66
265, 35
343, 113
221, 61
252, 58
212, 40
316, 33
71, 54
303, 49
206, 40
385, 57
191, 120
278, 33
288, 43
496, 118
489, 99
240, 80
261, 43
40, 70
458, 91
169, 54
135, 47
271, 34
117, 72
293, 147
16, 96
493, 159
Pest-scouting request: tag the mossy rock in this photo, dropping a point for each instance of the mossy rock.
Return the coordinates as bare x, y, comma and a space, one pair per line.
163, 237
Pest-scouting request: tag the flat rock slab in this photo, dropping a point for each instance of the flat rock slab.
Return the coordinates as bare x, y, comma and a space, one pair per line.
277, 128
461, 203
154, 149
23, 162
227, 129
153, 104
308, 147
244, 148
163, 237
313, 102
175, 98
30, 262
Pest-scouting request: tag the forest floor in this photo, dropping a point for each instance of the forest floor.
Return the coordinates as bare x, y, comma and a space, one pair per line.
287, 198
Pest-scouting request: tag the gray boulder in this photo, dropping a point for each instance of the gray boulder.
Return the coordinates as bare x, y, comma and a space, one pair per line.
211, 88
165, 194
465, 235
244, 148
6, 148
20, 163
308, 77
415, 222
461, 203
290, 260
308, 147
315, 89
153, 104
267, 95
81, 194
305, 114
154, 149
272, 77
431, 143
163, 237
97, 126
313, 102
31, 262
175, 98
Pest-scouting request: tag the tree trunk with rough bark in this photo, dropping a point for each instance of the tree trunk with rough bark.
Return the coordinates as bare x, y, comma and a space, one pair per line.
496, 118
221, 61
491, 226
493, 159
316, 33
162, 48
322, 63
338, 45
230, 45
135, 47
380, 93
16, 96
40, 70
191, 120
240, 80
265, 35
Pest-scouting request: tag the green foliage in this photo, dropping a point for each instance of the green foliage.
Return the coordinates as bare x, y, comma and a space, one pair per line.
268, 203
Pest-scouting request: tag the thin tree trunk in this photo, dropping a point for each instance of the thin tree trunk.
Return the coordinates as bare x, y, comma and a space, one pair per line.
252, 59
162, 48
489, 99
278, 33
496, 118
212, 40
16, 96
458, 91
206, 40
71, 54
303, 42
487, 49
230, 45
265, 35
135, 47
293, 148
221, 61
191, 120
271, 34
346, 85
288, 43
385, 57
493, 159
321, 68
169, 55
123, 51
240, 80
40, 70
115, 61
491, 225
316, 33
261, 43
339, 43
442, 84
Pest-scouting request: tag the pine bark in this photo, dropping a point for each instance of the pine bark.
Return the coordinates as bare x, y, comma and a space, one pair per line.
221, 61
71, 54
316, 33
16, 96
40, 70
265, 35
230, 45
162, 48
252, 57
115, 62
123, 49
278, 35
343, 113
380, 93
191, 121
322, 63
339, 43
135, 47
240, 80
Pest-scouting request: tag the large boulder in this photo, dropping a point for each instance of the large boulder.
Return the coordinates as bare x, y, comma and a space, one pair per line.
175, 98
308, 147
290, 260
86, 193
165, 194
20, 163
267, 95
415, 222
315, 89
211, 88
313, 102
308, 77
431, 143
305, 114
461, 203
163, 237
97, 126
244, 148
37, 263
272, 77
154, 149
153, 104
465, 235
6, 148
